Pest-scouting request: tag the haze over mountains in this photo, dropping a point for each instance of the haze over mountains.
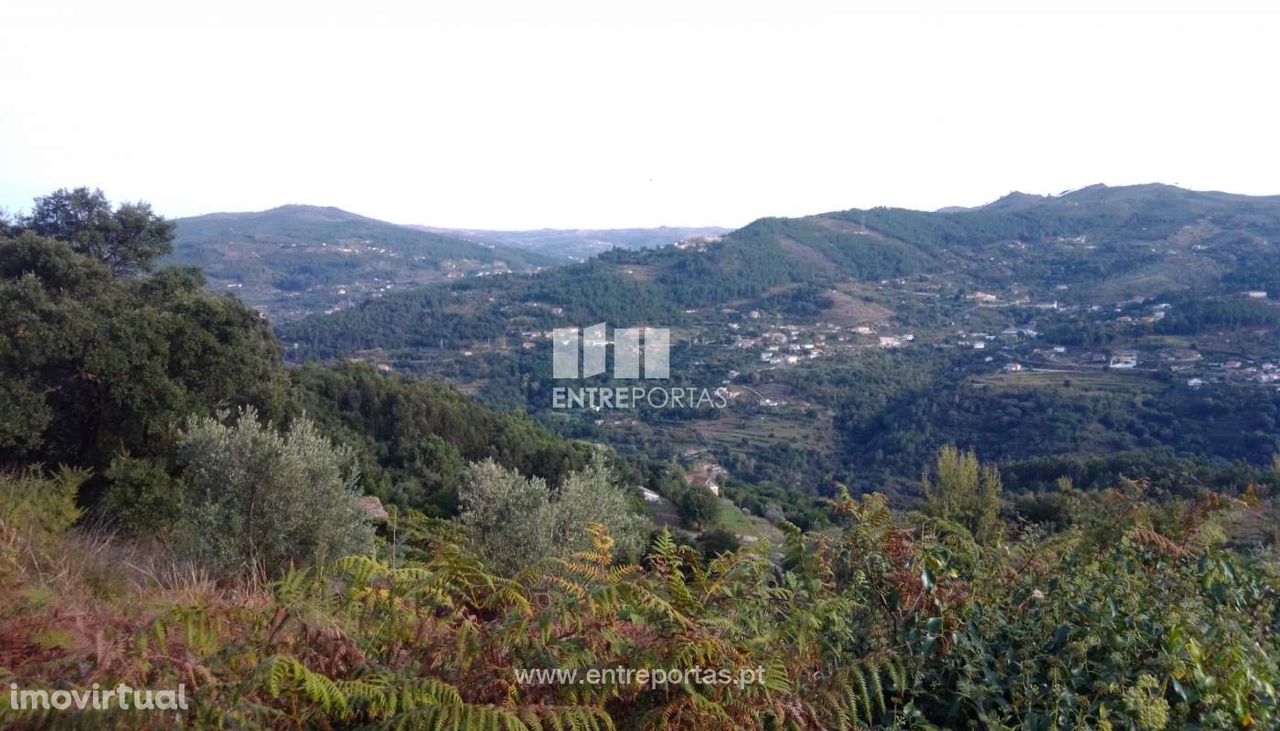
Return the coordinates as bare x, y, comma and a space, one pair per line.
579, 244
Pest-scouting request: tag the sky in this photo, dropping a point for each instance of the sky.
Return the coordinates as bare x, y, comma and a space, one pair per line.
514, 114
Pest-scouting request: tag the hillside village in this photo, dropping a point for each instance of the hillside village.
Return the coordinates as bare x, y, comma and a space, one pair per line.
755, 341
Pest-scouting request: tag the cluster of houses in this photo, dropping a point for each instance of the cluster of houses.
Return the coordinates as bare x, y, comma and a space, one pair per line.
1190, 363
791, 344
981, 340
697, 243
706, 476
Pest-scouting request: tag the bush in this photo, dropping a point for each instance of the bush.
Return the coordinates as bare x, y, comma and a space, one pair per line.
37, 504
516, 522
717, 541
258, 500
142, 499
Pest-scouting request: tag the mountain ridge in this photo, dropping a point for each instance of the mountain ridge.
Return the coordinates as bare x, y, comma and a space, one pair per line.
1099, 244
296, 259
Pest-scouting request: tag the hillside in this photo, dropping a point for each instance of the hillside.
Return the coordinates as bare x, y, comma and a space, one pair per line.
334, 547
1097, 245
296, 260
355, 548
857, 342
580, 244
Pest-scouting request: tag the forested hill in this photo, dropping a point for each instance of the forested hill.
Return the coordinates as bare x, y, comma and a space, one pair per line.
105, 363
295, 260
1096, 245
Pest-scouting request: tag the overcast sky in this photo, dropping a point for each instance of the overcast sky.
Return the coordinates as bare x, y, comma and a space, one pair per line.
521, 114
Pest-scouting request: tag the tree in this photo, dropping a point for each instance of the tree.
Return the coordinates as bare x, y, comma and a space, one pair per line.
127, 239
593, 495
965, 492
699, 507
417, 437
257, 500
517, 521
91, 365
509, 516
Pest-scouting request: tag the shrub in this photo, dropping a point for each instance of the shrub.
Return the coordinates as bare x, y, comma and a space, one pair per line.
142, 499
40, 505
260, 500
516, 521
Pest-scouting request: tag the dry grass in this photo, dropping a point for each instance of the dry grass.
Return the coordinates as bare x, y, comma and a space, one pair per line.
74, 606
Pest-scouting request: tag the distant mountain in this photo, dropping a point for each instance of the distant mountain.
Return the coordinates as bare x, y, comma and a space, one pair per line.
297, 260
1097, 245
580, 244
1151, 198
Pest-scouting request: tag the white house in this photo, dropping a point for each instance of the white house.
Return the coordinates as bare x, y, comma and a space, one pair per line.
706, 481
1124, 360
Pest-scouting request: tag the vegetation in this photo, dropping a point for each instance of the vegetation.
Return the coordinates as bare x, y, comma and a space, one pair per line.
296, 259
101, 372
870, 418
94, 366
964, 492
256, 501
1154, 423
414, 438
1135, 615
125, 239
517, 522
178, 507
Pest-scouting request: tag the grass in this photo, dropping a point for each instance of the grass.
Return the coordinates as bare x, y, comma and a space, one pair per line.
1080, 383
732, 518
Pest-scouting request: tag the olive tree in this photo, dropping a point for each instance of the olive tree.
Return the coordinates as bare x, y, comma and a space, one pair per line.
516, 521
257, 499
